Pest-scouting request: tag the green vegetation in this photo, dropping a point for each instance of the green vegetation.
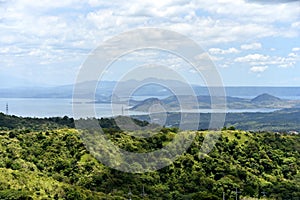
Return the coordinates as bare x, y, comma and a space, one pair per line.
54, 164
284, 120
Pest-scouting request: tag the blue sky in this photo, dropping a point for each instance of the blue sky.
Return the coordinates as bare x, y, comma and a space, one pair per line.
46, 42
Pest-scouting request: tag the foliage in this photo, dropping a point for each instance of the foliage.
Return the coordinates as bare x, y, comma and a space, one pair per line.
54, 164
284, 120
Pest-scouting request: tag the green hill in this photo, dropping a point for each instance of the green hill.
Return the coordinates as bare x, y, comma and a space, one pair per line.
54, 164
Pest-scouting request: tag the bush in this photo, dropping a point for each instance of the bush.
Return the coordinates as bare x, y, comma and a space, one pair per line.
11, 194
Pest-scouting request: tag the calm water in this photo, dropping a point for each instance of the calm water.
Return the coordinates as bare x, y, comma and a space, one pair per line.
32, 107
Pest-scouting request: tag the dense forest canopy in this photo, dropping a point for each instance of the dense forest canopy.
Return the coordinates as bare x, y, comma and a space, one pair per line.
47, 159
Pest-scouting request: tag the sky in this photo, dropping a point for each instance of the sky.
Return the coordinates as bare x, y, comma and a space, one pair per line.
252, 43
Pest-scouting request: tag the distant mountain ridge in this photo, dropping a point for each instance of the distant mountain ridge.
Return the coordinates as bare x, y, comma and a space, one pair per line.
204, 102
147, 87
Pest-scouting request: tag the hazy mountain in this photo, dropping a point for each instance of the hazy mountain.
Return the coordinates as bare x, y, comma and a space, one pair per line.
176, 103
148, 87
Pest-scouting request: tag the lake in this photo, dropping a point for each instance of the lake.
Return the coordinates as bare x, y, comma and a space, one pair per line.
50, 107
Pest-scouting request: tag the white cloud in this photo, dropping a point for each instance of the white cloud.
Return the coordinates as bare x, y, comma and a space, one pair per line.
292, 55
216, 58
252, 58
296, 49
222, 51
261, 60
63, 19
258, 69
252, 46
54, 30
250, 12
295, 25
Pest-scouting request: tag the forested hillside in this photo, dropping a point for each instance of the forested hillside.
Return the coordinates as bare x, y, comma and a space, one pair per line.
53, 163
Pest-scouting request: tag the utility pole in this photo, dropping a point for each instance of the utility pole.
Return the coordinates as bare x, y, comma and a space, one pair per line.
236, 193
143, 192
223, 195
129, 193
7, 108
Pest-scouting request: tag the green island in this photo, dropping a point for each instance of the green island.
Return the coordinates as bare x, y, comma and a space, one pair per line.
47, 159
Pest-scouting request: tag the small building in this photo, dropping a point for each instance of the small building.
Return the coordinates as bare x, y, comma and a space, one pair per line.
293, 132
